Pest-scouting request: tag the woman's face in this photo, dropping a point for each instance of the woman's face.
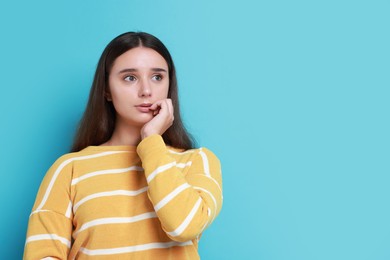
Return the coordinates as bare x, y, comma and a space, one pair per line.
138, 78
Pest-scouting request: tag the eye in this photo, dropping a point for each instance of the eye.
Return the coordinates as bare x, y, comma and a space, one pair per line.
130, 78
157, 77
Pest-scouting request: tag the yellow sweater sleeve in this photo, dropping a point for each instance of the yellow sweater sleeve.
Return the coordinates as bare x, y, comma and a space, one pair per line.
185, 204
50, 225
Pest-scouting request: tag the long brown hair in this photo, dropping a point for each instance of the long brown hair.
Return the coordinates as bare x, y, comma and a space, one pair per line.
98, 122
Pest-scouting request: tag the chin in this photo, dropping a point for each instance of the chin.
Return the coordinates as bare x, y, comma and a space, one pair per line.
136, 121
142, 120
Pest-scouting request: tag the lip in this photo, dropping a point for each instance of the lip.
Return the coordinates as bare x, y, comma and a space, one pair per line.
144, 107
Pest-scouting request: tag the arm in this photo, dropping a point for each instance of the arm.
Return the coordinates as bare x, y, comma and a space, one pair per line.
50, 223
185, 205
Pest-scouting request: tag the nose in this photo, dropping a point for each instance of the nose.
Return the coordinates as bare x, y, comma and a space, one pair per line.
144, 89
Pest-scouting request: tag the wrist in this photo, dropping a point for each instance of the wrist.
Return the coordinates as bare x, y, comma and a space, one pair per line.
150, 146
145, 134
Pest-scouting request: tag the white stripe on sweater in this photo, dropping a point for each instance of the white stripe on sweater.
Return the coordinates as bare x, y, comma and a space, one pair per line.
170, 196
48, 237
183, 165
38, 211
205, 162
207, 221
212, 197
108, 171
109, 193
69, 210
160, 170
165, 167
180, 229
62, 165
130, 249
184, 152
211, 178
118, 220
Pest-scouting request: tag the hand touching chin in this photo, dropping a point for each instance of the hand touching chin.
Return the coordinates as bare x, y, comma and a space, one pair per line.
162, 120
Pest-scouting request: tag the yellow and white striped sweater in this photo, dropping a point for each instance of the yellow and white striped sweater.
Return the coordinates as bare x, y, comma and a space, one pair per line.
125, 202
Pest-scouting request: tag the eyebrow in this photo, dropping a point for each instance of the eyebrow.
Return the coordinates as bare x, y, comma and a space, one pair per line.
135, 70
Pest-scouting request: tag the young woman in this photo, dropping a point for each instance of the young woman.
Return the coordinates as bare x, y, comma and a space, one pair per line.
133, 187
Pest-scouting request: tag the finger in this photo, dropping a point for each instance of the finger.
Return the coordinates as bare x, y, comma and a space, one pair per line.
161, 105
170, 107
155, 105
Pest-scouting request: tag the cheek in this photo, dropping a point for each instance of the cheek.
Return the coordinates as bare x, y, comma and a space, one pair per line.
122, 97
163, 93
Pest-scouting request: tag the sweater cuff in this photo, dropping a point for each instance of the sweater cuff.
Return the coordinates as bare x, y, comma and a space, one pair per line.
151, 146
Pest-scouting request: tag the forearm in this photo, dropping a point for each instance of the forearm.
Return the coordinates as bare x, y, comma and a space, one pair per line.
183, 208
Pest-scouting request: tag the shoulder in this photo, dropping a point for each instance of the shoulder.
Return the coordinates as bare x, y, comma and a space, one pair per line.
67, 159
64, 159
207, 152
202, 153
92, 152
62, 163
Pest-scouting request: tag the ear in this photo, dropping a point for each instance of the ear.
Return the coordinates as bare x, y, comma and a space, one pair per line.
108, 97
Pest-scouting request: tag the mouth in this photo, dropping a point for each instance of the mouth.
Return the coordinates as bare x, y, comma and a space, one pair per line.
144, 107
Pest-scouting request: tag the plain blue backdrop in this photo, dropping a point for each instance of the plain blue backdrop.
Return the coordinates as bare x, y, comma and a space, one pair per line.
293, 96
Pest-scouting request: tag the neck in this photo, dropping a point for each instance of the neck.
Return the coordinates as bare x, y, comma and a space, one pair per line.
125, 135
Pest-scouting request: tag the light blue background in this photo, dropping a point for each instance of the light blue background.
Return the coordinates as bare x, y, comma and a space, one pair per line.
293, 96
